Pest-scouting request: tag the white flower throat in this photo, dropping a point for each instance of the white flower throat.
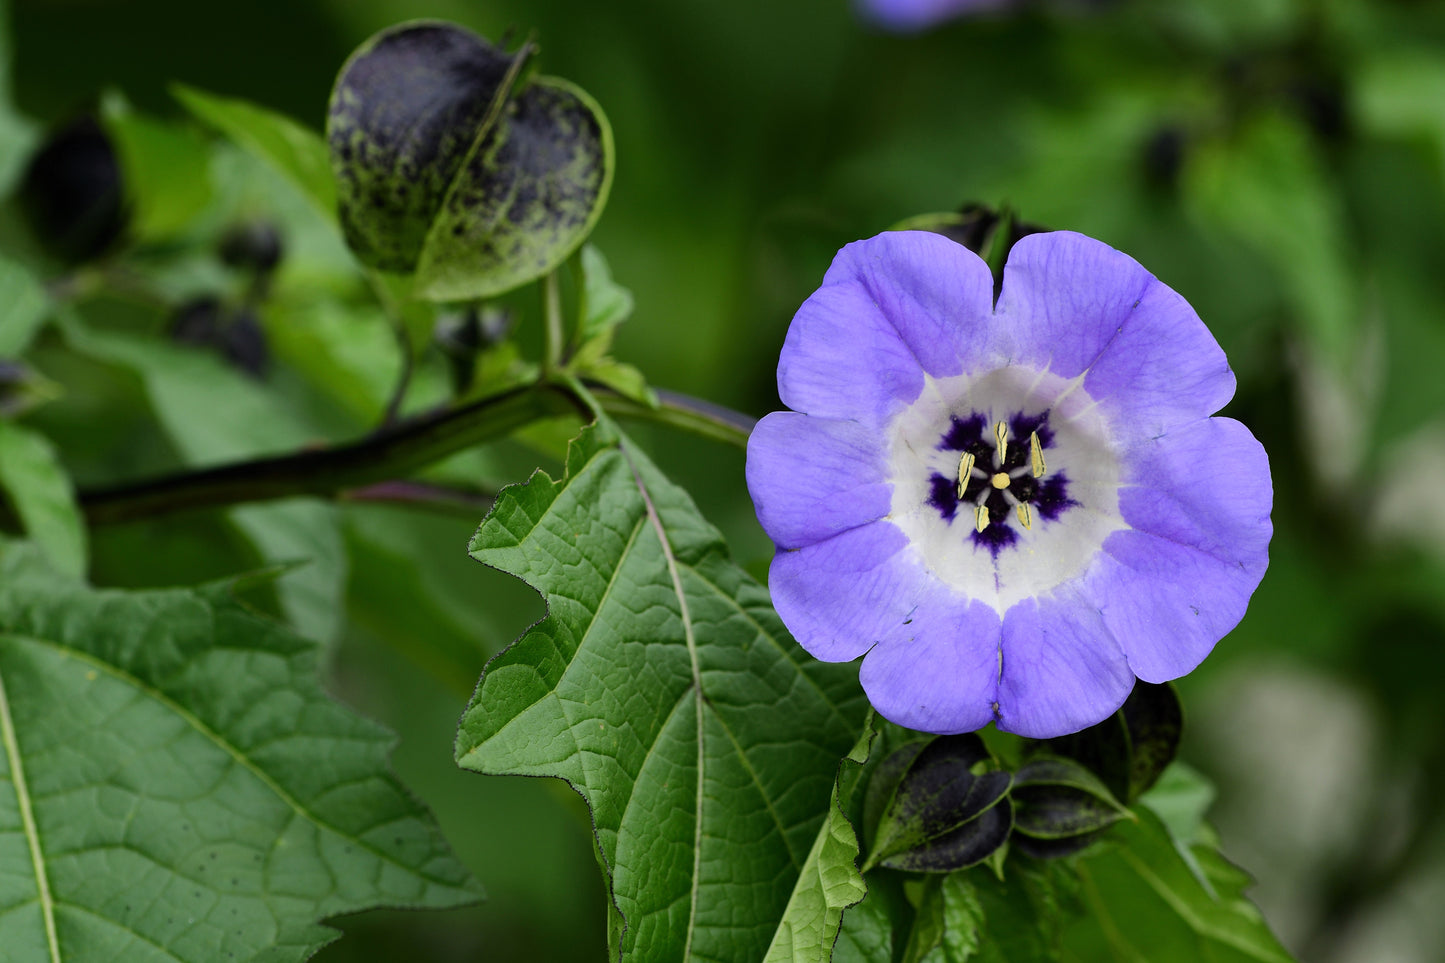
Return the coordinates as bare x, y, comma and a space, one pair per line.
1005, 482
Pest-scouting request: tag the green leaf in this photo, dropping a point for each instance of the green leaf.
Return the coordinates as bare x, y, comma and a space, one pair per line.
452, 168
970, 916
295, 151
43, 497
165, 169
17, 133
829, 882
605, 304
1180, 799
174, 783
24, 306
1268, 188
1145, 903
1056, 798
664, 689
947, 810
214, 414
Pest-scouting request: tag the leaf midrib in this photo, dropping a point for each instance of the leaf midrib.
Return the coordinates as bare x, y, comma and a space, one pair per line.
27, 818
691, 639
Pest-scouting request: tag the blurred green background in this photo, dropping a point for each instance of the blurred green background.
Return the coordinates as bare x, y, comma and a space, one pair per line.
1281, 163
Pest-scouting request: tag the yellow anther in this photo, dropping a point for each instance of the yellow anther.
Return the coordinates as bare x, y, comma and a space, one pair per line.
965, 471
1000, 480
1000, 435
980, 518
1036, 455
1025, 519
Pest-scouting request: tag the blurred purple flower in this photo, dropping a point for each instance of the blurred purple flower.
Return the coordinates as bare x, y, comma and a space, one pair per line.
1010, 511
910, 15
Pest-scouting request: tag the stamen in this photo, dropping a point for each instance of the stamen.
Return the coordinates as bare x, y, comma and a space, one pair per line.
1000, 435
1025, 519
1000, 480
965, 471
980, 518
1036, 455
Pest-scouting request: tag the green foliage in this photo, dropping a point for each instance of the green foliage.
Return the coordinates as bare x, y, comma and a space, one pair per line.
24, 306
165, 169
663, 688
470, 188
829, 882
1144, 902
1267, 189
1135, 896
296, 152
38, 487
182, 386
175, 782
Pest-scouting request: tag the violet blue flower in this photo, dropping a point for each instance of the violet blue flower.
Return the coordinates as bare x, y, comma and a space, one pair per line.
910, 15
1009, 511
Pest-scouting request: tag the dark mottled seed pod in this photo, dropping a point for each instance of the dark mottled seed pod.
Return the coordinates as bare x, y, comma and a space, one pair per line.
254, 245
72, 192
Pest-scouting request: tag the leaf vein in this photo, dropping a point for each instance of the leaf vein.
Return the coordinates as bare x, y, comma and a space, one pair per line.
27, 818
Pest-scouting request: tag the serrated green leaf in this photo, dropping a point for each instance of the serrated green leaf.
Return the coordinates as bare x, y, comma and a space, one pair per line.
24, 306
43, 496
664, 689
454, 169
214, 414
295, 151
942, 815
165, 169
174, 783
1145, 903
867, 932
829, 882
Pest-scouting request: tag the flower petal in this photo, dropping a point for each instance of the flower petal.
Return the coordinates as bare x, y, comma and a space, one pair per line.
943, 678
910, 15
811, 478
1079, 307
1199, 507
890, 308
1062, 669
842, 596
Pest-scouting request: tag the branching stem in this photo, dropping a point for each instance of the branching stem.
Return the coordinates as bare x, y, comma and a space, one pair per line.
395, 452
